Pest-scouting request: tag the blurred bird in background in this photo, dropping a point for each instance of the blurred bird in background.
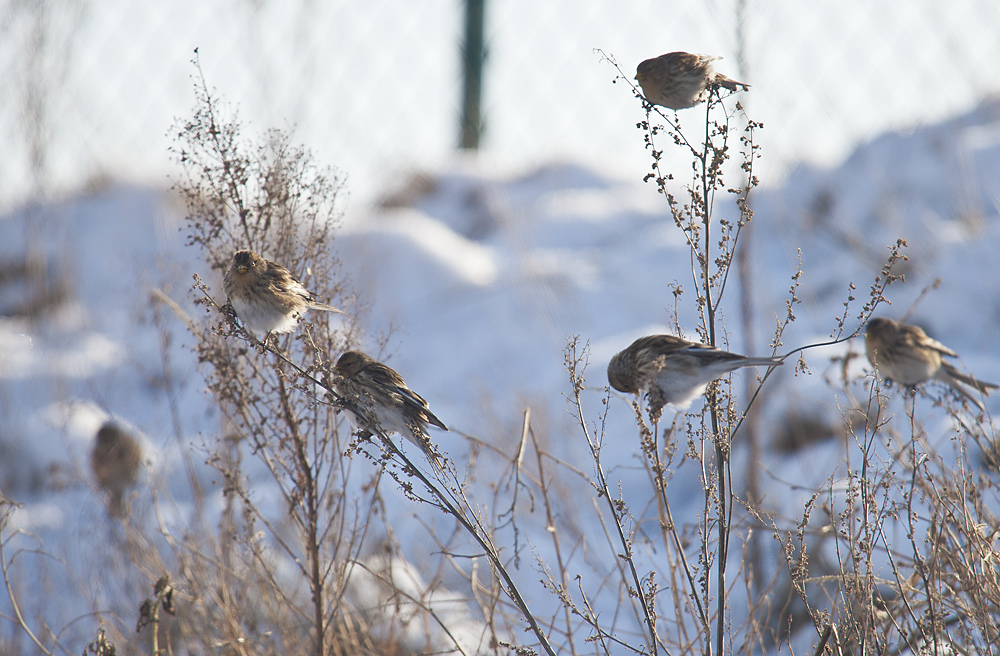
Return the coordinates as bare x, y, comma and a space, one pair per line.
904, 354
115, 461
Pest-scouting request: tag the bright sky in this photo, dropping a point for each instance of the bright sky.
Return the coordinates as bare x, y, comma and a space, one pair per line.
373, 87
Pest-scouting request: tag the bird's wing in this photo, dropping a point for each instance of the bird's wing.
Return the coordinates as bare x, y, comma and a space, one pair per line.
914, 336
389, 378
658, 349
688, 63
418, 403
665, 345
703, 353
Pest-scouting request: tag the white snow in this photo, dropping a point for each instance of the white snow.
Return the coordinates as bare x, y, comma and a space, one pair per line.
485, 276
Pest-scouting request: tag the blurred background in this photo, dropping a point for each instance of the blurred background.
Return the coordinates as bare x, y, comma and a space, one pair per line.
91, 88
881, 121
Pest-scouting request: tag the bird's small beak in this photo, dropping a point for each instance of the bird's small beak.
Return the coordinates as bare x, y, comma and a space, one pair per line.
241, 268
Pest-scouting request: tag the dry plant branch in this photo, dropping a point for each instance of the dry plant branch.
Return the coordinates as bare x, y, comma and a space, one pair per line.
713, 240
8, 511
452, 502
576, 364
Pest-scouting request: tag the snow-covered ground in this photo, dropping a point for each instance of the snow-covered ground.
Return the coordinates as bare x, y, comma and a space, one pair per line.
483, 276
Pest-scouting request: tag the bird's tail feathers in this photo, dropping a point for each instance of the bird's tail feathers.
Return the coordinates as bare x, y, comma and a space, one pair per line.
962, 382
966, 392
762, 362
952, 372
116, 504
326, 308
434, 421
420, 438
730, 83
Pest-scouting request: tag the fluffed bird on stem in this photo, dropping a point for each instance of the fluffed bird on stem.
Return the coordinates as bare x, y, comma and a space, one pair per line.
266, 296
673, 370
380, 392
678, 80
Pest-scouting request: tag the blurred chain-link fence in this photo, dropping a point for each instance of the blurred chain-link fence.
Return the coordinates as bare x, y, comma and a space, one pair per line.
90, 88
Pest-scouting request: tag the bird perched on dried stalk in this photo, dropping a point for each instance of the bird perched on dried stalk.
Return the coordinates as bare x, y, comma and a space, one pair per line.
382, 394
678, 80
673, 370
904, 354
115, 461
266, 296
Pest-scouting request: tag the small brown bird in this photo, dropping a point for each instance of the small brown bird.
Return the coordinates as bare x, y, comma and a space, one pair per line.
673, 370
678, 80
382, 393
265, 295
906, 355
115, 461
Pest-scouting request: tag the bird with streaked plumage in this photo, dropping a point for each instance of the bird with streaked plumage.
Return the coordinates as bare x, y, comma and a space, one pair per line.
266, 296
673, 370
380, 392
678, 80
905, 354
